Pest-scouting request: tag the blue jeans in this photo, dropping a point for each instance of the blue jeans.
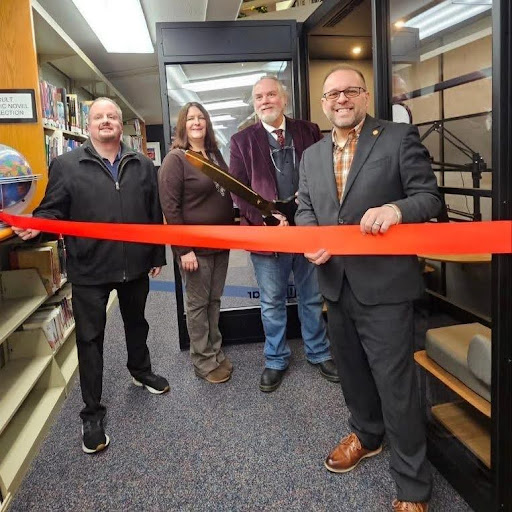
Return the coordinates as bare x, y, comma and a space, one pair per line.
272, 273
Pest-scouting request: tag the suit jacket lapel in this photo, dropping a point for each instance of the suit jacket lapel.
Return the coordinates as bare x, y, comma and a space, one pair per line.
262, 141
296, 134
367, 139
326, 169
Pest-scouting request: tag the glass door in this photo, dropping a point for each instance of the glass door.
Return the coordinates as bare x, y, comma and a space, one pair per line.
441, 81
219, 73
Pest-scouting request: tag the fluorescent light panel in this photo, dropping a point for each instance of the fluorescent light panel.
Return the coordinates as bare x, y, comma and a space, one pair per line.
446, 14
220, 105
224, 83
119, 24
218, 119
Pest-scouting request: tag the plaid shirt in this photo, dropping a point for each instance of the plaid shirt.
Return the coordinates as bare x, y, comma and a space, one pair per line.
343, 156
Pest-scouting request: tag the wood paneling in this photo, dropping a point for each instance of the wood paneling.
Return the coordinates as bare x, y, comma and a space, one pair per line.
19, 71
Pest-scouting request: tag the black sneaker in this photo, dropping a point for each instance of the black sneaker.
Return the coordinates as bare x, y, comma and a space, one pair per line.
153, 383
94, 438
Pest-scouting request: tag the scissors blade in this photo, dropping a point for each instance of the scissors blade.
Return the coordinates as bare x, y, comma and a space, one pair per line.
229, 182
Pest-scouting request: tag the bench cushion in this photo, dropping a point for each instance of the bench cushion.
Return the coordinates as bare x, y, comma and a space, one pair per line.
479, 358
449, 346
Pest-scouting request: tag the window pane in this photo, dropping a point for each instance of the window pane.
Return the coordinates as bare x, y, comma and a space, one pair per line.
442, 82
224, 89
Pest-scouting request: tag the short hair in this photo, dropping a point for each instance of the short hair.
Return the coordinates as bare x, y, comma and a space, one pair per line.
104, 98
344, 67
280, 86
181, 138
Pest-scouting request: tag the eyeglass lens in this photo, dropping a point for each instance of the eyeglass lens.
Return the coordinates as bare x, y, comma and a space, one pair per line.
349, 92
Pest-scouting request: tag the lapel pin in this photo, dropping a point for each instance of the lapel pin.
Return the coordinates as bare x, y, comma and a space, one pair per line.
375, 132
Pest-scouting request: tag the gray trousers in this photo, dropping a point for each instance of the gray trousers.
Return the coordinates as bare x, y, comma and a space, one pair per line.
373, 348
204, 289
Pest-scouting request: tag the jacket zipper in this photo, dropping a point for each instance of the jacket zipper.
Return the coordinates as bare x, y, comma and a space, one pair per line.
118, 188
123, 160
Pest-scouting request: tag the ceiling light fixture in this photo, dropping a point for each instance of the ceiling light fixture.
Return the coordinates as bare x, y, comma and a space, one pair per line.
219, 105
446, 14
356, 50
224, 83
120, 25
218, 119
399, 23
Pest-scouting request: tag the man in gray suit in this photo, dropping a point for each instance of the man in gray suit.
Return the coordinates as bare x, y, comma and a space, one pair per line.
375, 174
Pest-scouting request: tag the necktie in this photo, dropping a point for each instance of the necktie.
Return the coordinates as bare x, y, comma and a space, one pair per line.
280, 137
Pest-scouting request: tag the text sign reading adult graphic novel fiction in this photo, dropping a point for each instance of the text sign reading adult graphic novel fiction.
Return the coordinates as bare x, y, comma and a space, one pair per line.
17, 106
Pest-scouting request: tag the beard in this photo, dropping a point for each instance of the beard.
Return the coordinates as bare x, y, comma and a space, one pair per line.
343, 122
269, 117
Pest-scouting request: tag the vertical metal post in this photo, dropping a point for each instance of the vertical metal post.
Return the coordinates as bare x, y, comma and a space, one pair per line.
501, 450
381, 51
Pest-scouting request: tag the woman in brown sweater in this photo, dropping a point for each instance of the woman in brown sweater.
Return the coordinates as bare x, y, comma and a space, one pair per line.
189, 197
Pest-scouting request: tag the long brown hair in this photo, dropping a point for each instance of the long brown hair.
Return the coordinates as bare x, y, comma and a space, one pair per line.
181, 139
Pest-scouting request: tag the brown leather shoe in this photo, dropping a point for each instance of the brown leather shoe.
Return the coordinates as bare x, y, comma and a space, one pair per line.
216, 376
347, 455
409, 506
226, 363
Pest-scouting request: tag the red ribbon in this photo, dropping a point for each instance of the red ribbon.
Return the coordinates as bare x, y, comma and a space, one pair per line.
443, 238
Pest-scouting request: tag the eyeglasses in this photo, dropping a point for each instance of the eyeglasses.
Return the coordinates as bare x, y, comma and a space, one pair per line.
349, 92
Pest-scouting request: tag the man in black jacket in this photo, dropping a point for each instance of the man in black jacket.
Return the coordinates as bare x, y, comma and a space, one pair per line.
105, 181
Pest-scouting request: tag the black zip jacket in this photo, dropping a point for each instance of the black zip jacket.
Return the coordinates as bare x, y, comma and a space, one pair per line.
81, 188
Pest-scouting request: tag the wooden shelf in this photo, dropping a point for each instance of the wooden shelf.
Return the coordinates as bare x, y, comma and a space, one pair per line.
18, 377
4, 234
67, 134
453, 383
67, 358
21, 293
67, 333
4, 505
14, 311
25, 431
471, 428
458, 258
112, 299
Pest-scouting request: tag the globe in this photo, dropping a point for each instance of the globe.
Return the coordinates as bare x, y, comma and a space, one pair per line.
17, 182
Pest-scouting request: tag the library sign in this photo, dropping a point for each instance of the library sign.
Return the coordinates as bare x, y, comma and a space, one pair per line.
17, 106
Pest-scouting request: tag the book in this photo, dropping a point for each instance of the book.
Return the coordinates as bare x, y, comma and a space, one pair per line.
62, 93
73, 113
46, 321
57, 268
85, 106
61, 117
40, 258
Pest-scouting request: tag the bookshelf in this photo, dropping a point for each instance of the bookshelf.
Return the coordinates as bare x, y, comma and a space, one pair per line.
32, 48
34, 379
134, 134
65, 133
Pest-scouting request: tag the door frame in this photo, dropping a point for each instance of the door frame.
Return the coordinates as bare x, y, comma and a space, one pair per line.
498, 494
224, 42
